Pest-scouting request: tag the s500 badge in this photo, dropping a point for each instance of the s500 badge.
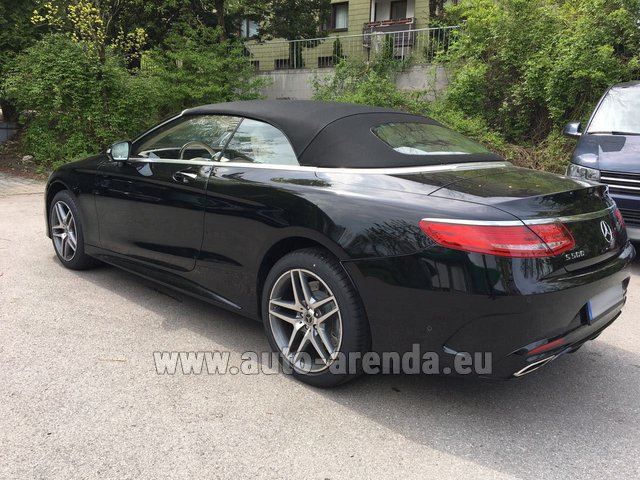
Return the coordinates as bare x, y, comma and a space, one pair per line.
574, 255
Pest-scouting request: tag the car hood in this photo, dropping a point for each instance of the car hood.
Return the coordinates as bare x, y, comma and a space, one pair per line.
615, 153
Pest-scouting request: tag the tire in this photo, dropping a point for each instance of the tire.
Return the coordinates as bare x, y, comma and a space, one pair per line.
303, 335
65, 230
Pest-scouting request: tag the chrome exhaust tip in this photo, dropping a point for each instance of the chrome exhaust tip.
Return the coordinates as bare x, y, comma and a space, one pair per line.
532, 367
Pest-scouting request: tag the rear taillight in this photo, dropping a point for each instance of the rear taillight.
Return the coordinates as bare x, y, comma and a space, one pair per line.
545, 240
619, 215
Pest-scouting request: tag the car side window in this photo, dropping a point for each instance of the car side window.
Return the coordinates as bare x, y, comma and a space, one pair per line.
261, 143
198, 137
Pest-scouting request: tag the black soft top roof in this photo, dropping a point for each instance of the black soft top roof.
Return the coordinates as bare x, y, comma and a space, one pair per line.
330, 134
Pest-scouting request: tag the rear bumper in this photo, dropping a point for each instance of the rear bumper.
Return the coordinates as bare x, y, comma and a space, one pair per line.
474, 306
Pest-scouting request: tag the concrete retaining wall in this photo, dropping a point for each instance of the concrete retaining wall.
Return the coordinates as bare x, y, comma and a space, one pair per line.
297, 84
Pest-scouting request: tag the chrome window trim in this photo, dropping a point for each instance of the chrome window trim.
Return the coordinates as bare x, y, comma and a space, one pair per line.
480, 223
171, 161
168, 120
421, 169
517, 223
369, 171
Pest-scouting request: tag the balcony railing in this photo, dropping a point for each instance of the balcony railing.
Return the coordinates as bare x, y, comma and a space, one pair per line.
420, 45
387, 26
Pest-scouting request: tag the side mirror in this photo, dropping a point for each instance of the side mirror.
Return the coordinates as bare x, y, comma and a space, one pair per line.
120, 151
572, 130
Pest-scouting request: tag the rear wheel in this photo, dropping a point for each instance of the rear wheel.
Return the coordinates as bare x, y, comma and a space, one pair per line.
66, 231
312, 315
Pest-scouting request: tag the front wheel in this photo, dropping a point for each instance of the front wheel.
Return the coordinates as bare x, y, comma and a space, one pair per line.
66, 231
313, 318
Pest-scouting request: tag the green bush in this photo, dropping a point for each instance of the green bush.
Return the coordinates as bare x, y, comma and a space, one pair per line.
71, 103
369, 83
528, 66
195, 68
74, 104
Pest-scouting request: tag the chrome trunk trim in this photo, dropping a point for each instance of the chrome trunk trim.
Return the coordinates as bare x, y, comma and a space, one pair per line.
516, 223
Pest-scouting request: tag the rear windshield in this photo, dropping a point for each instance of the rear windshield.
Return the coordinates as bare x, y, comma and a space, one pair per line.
426, 139
618, 113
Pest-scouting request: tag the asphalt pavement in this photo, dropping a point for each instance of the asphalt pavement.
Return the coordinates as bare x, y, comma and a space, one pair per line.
80, 396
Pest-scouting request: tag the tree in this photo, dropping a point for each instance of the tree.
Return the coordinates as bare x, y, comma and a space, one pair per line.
291, 20
436, 8
219, 6
196, 68
160, 18
16, 33
92, 22
132, 25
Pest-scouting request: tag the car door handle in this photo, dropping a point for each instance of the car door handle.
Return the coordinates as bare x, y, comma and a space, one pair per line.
185, 176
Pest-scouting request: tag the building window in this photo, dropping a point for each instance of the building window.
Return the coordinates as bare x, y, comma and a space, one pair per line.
398, 10
340, 16
248, 28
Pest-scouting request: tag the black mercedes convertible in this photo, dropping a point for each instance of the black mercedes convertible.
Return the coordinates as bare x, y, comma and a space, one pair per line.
349, 230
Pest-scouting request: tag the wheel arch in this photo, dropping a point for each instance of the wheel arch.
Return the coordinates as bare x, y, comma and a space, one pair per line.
52, 190
283, 247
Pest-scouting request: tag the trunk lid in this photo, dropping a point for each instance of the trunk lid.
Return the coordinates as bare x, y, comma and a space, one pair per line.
584, 208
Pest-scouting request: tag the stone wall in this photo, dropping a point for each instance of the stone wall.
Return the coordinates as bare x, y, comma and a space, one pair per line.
297, 84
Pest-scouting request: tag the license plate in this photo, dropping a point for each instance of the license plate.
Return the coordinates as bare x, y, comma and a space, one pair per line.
603, 302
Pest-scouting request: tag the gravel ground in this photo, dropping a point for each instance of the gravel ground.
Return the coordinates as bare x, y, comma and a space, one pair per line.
80, 396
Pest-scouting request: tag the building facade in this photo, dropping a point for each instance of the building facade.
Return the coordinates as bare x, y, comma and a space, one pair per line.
356, 29
358, 16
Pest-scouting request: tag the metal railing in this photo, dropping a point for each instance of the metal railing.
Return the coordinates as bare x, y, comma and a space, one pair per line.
420, 45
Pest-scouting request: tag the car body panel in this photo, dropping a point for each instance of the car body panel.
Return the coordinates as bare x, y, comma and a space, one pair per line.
533, 196
261, 207
616, 153
457, 302
147, 212
79, 178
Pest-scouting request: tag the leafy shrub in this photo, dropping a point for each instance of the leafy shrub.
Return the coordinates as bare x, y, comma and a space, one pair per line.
528, 66
369, 83
195, 68
74, 102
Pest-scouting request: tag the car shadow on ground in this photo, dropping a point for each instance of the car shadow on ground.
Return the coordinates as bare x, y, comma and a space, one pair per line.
577, 408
